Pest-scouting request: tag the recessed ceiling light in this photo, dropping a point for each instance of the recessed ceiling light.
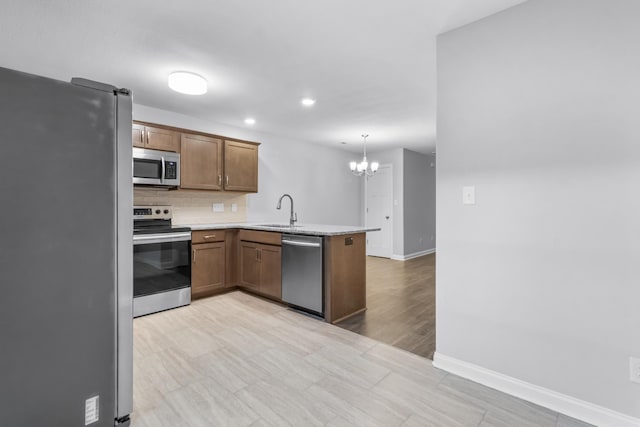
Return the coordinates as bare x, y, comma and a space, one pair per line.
188, 83
308, 102
250, 121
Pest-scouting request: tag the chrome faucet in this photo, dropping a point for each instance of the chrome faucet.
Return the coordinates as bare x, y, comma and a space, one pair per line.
294, 216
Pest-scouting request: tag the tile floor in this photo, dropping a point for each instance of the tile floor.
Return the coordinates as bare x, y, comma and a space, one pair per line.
238, 360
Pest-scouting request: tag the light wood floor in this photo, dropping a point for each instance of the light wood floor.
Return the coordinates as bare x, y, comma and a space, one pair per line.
237, 360
401, 304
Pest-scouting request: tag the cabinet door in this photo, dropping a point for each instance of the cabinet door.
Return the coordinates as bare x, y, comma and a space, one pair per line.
240, 166
162, 139
271, 270
249, 265
137, 135
200, 162
207, 267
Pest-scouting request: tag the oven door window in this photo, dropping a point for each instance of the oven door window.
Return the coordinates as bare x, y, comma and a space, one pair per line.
146, 168
161, 267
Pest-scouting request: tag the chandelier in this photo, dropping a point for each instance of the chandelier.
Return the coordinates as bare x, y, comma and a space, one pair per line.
362, 168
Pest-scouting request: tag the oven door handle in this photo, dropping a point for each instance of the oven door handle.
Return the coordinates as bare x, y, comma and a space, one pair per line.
147, 239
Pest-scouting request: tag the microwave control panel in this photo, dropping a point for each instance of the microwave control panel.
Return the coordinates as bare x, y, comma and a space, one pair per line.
171, 170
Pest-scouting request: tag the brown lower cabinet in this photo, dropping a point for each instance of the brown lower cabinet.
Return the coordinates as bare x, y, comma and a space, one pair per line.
260, 268
220, 259
253, 260
208, 261
210, 252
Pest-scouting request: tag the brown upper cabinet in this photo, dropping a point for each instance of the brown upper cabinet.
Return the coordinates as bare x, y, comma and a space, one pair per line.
155, 138
200, 162
207, 162
240, 166
137, 135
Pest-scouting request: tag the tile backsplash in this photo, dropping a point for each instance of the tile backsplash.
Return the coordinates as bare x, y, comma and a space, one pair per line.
195, 206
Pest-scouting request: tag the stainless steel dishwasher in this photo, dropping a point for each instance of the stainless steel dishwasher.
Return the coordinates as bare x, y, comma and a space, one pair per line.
302, 272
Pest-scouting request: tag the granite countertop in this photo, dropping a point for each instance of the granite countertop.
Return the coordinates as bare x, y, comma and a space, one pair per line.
304, 229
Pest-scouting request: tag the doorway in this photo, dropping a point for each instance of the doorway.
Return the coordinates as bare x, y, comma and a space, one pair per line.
378, 212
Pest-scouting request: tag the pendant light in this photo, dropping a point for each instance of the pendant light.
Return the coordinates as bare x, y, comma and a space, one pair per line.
362, 168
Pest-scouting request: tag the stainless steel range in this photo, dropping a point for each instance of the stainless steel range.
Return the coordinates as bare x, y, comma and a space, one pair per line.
161, 261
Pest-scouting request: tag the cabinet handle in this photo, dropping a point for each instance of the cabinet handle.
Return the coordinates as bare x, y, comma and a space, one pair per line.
148, 137
219, 179
193, 258
227, 180
142, 137
209, 236
257, 254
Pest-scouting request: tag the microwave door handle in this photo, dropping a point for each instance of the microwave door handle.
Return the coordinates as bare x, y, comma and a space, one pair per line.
162, 175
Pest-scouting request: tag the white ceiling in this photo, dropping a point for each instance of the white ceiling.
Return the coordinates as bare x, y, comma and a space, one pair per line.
369, 63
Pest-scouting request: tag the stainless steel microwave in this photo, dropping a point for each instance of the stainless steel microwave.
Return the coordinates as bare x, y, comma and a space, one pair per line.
157, 168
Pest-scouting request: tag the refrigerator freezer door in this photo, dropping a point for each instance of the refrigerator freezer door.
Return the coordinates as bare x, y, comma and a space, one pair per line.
59, 260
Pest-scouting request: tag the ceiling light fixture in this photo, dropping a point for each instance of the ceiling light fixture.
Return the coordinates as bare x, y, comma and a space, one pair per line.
308, 102
250, 121
188, 83
362, 168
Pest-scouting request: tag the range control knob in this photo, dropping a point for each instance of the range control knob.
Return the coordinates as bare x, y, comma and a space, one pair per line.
157, 211
166, 211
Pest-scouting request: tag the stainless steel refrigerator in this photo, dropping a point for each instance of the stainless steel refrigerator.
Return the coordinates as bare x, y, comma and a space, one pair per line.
66, 252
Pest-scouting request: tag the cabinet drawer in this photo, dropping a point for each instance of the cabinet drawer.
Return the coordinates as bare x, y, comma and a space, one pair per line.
266, 237
207, 236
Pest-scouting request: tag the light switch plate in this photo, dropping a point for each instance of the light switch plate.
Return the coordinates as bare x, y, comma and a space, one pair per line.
469, 195
634, 369
218, 207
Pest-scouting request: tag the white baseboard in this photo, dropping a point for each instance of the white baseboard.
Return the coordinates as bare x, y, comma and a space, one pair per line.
413, 255
565, 404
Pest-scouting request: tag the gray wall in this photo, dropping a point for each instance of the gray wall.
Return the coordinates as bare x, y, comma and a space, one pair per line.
538, 107
318, 177
414, 199
419, 202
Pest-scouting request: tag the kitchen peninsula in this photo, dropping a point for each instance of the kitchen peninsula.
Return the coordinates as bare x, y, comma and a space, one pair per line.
324, 275
248, 256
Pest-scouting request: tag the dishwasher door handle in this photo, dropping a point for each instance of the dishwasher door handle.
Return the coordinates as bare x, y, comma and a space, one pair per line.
301, 243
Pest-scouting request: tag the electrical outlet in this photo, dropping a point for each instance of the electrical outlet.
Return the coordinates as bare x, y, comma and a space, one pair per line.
218, 207
634, 369
234, 207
